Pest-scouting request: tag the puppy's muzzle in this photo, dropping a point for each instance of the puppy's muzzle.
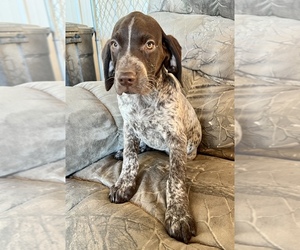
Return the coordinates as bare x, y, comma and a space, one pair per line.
127, 79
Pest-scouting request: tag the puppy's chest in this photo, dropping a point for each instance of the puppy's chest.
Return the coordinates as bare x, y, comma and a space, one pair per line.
144, 118
149, 124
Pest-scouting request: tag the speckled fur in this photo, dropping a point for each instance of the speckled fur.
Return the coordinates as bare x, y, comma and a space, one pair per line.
154, 111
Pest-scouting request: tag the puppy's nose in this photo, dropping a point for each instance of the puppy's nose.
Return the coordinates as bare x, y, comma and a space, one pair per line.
127, 78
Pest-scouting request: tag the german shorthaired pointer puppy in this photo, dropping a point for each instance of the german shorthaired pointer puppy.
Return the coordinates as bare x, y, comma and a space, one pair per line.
145, 65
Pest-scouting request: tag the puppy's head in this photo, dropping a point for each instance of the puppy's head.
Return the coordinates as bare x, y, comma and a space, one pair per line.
135, 54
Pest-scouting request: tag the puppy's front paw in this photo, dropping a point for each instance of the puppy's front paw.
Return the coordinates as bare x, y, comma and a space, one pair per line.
180, 225
122, 192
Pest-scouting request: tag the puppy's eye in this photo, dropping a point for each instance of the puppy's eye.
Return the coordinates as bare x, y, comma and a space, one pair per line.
150, 45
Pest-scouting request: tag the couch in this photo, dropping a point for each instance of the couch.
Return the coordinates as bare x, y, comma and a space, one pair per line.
43, 210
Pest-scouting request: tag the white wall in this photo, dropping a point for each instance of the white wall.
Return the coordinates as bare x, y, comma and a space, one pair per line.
79, 11
24, 11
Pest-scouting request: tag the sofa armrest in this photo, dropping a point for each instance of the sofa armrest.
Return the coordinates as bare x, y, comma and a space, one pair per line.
32, 125
93, 124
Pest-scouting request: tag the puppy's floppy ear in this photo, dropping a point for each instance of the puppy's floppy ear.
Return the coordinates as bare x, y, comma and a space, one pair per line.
108, 66
173, 62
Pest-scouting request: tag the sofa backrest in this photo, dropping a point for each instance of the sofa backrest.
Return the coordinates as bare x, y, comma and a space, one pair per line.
224, 8
280, 8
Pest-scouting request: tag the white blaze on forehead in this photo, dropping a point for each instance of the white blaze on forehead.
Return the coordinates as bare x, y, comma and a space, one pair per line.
129, 34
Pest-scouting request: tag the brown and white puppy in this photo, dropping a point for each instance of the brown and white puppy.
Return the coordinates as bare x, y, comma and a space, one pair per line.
145, 65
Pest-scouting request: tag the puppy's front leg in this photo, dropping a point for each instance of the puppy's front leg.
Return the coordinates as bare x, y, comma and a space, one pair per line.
124, 188
179, 222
